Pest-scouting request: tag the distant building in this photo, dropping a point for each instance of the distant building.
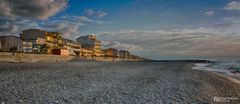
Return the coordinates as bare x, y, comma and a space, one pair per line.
11, 44
124, 54
73, 47
42, 41
111, 52
91, 43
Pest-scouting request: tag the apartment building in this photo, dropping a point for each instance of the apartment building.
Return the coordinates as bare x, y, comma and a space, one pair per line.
73, 47
90, 42
124, 54
42, 41
110, 52
27, 47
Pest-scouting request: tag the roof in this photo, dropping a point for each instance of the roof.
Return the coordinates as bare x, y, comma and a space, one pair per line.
9, 36
69, 40
34, 29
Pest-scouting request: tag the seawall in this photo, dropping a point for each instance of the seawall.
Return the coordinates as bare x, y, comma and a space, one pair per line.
25, 57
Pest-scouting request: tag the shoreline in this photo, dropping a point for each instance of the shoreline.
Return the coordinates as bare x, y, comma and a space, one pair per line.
227, 77
221, 74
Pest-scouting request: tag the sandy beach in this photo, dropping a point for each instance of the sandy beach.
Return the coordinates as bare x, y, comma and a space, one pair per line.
106, 82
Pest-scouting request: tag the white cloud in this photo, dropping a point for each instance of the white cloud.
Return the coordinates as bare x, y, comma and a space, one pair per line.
209, 13
101, 14
102, 22
83, 18
199, 42
122, 46
234, 5
89, 12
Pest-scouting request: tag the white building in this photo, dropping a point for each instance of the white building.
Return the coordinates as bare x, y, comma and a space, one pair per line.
11, 43
73, 47
91, 43
27, 47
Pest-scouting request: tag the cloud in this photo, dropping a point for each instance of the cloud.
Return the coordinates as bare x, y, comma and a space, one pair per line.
9, 26
188, 43
103, 22
40, 9
89, 12
122, 46
68, 29
83, 18
234, 5
209, 13
101, 14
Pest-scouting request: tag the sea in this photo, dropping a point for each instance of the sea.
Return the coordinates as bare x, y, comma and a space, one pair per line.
229, 67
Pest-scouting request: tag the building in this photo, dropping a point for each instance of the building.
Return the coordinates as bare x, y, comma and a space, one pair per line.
124, 54
0, 45
42, 41
62, 52
73, 47
86, 53
90, 42
110, 52
11, 44
27, 47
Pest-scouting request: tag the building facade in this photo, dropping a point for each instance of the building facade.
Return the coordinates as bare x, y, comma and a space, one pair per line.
27, 47
124, 54
73, 47
1, 44
90, 42
11, 44
110, 52
42, 41
86, 52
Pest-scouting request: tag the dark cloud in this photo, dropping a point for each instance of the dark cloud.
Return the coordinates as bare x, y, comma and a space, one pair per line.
69, 29
40, 9
10, 26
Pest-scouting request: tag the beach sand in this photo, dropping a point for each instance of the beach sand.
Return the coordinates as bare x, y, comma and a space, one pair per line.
107, 82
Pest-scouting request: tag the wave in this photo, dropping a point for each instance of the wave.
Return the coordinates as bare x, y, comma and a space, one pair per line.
229, 69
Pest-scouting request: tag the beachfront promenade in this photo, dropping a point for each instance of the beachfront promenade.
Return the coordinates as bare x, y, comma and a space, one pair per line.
26, 57
111, 82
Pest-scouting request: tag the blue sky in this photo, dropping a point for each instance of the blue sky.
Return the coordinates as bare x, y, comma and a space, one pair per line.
160, 29
148, 14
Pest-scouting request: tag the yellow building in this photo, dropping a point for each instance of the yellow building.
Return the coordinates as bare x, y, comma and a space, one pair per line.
110, 52
86, 53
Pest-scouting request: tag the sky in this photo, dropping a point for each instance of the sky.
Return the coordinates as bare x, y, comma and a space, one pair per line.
157, 29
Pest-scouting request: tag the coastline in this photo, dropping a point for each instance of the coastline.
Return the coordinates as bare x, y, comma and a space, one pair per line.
221, 74
227, 77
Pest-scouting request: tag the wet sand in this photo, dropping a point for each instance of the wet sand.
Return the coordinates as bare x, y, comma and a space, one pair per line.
105, 82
